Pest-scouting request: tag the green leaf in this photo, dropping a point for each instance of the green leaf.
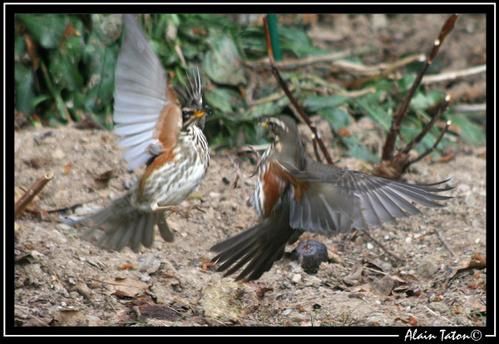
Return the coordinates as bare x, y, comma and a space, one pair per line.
223, 63
296, 41
471, 133
336, 117
222, 99
46, 29
369, 105
421, 101
406, 82
39, 99
99, 61
267, 109
24, 88
357, 150
316, 103
63, 64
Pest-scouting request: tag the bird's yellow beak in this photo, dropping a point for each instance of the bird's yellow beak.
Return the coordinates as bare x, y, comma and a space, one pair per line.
199, 113
196, 116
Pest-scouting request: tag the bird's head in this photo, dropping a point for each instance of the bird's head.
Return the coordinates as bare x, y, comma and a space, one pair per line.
281, 128
194, 109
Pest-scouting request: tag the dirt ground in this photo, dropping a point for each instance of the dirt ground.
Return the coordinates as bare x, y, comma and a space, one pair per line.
62, 280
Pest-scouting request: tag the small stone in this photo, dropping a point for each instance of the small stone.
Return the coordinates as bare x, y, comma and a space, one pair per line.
58, 154
310, 254
214, 194
296, 278
369, 246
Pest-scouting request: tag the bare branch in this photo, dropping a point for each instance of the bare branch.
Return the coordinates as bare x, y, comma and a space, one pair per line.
292, 99
34, 190
428, 151
430, 79
388, 149
428, 126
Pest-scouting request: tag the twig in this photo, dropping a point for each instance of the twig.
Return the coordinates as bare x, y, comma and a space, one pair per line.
430, 79
70, 207
28, 196
292, 99
377, 70
428, 126
432, 312
310, 60
384, 70
316, 150
393, 255
470, 107
391, 138
428, 151
442, 240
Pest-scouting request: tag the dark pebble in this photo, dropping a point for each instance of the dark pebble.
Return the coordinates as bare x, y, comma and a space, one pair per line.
310, 254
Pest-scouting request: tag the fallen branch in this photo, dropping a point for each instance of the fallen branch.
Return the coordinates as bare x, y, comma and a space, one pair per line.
444, 243
389, 147
470, 107
430, 79
34, 190
292, 99
310, 60
376, 70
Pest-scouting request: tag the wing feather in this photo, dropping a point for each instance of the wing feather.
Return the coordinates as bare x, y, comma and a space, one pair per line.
140, 93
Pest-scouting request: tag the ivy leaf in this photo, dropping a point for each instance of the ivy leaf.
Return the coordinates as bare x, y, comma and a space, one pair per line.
369, 105
316, 103
223, 63
46, 29
63, 66
357, 150
470, 132
222, 99
421, 101
336, 117
24, 88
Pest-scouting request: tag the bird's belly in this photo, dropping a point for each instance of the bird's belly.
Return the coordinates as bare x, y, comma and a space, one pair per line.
172, 183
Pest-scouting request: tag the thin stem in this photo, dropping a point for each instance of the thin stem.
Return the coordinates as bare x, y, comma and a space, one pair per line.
389, 147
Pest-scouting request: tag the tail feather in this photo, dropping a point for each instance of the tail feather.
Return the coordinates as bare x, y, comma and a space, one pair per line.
256, 249
125, 225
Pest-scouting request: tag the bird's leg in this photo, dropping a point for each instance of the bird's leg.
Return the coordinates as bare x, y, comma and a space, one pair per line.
170, 208
156, 207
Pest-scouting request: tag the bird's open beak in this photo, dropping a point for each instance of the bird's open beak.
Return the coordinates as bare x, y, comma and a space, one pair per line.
196, 116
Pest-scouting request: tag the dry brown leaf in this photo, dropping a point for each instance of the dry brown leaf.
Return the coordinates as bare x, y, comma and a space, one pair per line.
126, 287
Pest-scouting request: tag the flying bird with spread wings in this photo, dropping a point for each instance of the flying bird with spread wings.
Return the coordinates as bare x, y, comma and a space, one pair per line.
295, 194
160, 127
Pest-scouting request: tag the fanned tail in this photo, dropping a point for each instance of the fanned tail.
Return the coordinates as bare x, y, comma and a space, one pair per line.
125, 225
257, 248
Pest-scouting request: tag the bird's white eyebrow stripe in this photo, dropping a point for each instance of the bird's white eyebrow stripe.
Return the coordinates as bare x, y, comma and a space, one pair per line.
279, 123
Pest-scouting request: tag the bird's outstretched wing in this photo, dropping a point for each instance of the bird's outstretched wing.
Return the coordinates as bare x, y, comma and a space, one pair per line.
334, 199
141, 104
